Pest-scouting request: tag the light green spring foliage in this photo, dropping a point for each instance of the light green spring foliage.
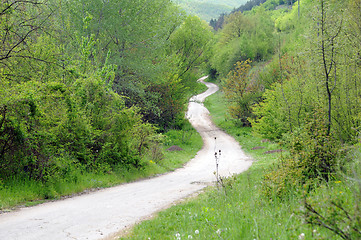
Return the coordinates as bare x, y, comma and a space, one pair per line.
301, 85
142, 46
243, 37
188, 43
83, 82
241, 210
209, 9
308, 103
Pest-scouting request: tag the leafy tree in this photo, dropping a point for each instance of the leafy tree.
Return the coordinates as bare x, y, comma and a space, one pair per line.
328, 41
188, 43
241, 88
243, 37
58, 69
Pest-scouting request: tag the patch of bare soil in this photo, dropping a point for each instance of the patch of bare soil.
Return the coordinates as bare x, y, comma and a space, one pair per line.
273, 151
174, 148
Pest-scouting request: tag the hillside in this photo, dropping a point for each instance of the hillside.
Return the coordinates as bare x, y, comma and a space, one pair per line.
208, 9
290, 78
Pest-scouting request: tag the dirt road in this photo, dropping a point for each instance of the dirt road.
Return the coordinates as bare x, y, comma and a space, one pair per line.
101, 214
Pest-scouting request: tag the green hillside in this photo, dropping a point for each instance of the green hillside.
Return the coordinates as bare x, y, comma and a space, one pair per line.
290, 94
208, 9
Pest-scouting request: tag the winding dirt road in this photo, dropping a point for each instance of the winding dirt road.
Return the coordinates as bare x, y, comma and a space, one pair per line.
104, 213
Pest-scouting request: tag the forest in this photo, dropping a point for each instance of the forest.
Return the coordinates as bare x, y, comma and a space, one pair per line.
96, 86
208, 9
92, 86
293, 76
291, 71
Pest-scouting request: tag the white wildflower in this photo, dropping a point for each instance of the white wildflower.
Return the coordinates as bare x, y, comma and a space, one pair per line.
301, 236
218, 231
196, 231
190, 237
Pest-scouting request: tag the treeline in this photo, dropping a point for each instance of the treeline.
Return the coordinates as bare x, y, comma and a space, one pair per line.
242, 37
91, 84
249, 5
205, 10
296, 81
305, 69
208, 9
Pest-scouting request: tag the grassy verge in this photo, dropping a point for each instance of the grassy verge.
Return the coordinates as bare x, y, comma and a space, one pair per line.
240, 210
21, 191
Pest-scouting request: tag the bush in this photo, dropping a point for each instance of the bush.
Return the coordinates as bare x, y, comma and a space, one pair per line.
336, 205
314, 156
242, 91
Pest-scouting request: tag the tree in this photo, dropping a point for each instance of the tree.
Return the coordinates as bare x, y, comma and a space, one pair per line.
328, 36
188, 43
241, 88
243, 37
20, 22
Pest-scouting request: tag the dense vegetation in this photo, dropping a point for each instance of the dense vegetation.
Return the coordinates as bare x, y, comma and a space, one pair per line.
93, 86
293, 75
217, 23
208, 9
301, 90
240, 209
90, 86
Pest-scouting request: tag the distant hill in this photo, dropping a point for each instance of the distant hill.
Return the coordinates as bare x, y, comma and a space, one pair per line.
249, 5
208, 9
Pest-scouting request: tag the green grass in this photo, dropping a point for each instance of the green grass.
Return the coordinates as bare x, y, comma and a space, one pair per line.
240, 210
216, 106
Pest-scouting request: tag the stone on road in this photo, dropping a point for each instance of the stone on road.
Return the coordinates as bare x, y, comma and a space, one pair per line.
106, 212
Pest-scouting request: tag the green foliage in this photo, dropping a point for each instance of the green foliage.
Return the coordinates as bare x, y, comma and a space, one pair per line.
243, 37
304, 85
271, 124
188, 43
171, 103
208, 9
144, 49
314, 155
246, 213
81, 86
241, 89
335, 206
329, 209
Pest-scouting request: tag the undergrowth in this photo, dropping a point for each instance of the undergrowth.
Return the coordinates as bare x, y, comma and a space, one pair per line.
72, 178
328, 210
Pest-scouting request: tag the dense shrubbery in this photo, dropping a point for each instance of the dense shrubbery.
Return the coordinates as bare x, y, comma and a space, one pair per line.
304, 99
243, 37
314, 157
89, 85
241, 88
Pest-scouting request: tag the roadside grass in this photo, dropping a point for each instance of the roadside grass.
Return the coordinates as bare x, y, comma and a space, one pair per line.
240, 210
22, 191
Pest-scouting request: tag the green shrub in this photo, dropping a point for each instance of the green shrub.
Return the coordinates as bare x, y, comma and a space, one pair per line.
314, 156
